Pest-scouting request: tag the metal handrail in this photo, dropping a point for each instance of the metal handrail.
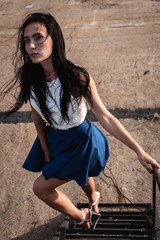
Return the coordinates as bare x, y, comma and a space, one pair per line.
156, 179
156, 173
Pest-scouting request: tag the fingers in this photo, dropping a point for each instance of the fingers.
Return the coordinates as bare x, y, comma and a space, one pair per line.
148, 162
148, 168
155, 164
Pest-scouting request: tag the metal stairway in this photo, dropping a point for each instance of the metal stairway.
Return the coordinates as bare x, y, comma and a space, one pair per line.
118, 221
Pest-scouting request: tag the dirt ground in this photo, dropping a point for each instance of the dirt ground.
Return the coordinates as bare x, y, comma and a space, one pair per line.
118, 42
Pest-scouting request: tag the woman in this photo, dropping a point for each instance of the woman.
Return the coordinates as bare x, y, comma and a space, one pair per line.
68, 148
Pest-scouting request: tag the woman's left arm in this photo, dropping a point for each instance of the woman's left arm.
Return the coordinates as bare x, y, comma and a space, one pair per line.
116, 129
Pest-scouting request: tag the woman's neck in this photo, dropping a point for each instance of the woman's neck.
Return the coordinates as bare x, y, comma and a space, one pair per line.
49, 71
50, 76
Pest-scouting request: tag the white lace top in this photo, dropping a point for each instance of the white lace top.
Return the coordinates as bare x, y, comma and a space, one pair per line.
76, 113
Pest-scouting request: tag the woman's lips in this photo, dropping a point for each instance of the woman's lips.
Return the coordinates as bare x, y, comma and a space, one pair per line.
34, 54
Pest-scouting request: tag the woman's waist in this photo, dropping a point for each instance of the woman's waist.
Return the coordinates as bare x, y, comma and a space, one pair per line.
69, 128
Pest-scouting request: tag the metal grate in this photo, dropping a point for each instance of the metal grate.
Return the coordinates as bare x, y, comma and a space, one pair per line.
118, 221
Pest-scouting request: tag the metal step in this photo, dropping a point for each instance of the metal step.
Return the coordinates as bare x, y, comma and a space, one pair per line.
118, 221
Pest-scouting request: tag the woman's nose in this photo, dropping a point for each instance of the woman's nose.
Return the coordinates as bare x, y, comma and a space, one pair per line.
32, 45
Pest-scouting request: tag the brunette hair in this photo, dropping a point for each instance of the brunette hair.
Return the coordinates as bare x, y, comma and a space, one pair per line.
74, 79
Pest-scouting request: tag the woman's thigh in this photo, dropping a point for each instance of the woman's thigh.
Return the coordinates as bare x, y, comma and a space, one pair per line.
42, 185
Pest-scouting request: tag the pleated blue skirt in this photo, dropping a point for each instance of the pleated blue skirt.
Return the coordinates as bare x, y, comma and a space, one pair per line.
77, 153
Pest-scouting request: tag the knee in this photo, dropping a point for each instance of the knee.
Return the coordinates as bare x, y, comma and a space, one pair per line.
37, 189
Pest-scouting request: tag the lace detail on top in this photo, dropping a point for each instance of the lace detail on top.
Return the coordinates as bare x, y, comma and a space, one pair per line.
76, 113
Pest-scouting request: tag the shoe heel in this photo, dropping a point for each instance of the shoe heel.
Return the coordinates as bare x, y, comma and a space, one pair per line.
95, 218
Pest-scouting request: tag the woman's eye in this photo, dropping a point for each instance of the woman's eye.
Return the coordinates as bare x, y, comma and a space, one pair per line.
26, 41
39, 38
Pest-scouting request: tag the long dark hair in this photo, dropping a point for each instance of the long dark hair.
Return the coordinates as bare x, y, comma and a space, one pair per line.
74, 79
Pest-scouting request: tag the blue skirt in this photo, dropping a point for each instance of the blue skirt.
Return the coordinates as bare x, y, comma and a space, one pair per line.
77, 153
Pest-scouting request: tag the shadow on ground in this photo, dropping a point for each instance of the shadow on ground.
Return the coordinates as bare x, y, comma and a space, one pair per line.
139, 113
45, 231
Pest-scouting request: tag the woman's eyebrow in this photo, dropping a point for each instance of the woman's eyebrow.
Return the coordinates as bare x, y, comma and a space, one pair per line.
34, 35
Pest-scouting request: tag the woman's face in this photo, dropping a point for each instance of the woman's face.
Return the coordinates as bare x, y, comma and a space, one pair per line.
38, 44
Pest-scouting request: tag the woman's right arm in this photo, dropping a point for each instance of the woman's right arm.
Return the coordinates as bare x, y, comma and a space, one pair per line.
40, 126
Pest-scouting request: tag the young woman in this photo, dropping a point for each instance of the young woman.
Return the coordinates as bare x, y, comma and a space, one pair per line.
67, 147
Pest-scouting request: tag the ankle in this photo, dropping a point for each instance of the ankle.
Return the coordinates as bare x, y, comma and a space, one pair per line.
94, 204
93, 197
85, 221
78, 217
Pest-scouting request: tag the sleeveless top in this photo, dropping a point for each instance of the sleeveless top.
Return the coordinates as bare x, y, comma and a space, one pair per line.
76, 112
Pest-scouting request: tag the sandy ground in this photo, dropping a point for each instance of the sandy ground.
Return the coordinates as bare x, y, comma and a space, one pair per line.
118, 42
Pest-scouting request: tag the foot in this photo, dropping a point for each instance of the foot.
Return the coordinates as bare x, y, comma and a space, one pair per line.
94, 205
89, 219
86, 219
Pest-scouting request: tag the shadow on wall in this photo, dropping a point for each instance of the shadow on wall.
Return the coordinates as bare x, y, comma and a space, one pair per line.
43, 232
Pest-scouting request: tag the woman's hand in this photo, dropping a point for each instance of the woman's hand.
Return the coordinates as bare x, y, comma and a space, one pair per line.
47, 155
147, 161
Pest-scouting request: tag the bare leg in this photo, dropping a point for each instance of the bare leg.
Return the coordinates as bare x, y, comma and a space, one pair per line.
47, 192
90, 192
